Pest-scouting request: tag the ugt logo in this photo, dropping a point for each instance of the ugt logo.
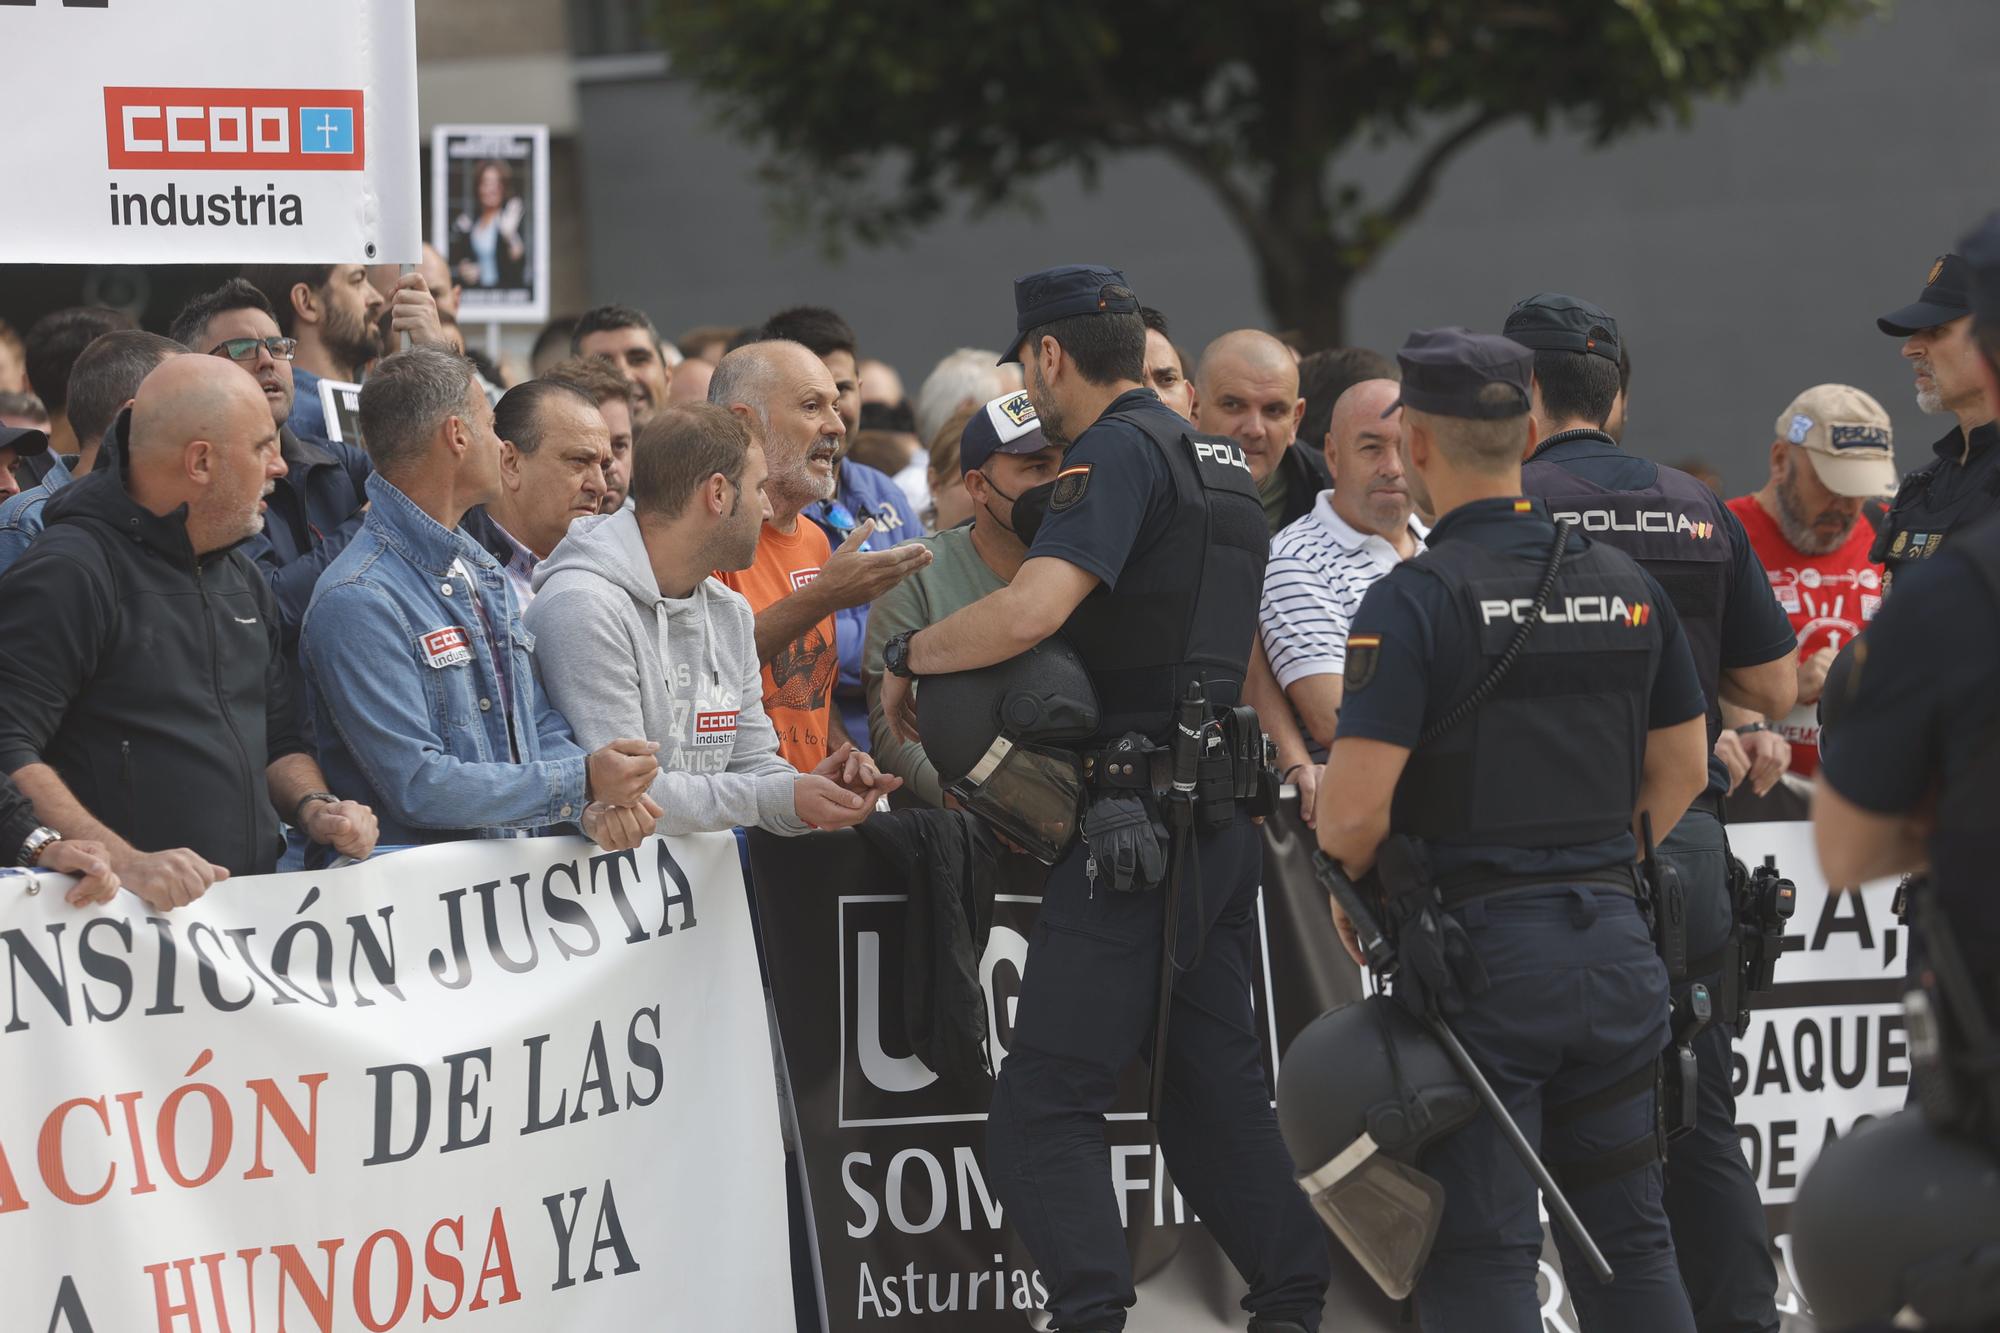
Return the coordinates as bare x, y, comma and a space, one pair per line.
234, 129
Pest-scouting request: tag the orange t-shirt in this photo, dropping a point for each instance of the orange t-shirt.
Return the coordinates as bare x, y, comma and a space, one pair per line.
798, 682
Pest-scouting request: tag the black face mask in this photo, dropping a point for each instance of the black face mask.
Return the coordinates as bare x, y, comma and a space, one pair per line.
1030, 508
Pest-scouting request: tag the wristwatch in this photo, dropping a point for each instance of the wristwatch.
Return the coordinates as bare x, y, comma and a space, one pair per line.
36, 843
896, 655
1751, 728
299, 810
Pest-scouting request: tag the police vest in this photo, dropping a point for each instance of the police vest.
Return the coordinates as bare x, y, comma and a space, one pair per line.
1676, 529
1185, 608
1933, 501
1552, 757
1965, 846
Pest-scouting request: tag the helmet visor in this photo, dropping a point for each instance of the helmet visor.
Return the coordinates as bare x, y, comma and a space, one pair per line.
1384, 1211
1030, 795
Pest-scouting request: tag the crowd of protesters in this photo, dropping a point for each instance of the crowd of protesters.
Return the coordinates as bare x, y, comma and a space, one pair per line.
647, 587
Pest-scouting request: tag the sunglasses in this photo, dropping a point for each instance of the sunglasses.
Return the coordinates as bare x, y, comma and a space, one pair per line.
245, 349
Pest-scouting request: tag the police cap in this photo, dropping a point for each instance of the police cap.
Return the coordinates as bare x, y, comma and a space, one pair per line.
1552, 322
1445, 372
1946, 296
1981, 248
1057, 293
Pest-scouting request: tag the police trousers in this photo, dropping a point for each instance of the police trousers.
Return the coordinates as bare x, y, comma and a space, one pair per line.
1712, 1202
1086, 1008
1577, 1003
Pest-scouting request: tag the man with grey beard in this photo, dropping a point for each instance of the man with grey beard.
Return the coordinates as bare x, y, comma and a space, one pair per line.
1959, 486
1832, 453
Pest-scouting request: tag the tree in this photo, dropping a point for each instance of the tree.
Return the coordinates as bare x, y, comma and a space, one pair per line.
1261, 100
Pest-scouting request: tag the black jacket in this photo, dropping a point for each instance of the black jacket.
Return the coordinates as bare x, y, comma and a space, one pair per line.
1305, 477
153, 682
314, 512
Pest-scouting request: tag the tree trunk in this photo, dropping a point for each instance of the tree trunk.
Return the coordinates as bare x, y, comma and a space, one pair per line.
1306, 281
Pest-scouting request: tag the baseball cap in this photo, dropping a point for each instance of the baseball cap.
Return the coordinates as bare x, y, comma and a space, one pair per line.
25, 441
1552, 322
1058, 293
1946, 296
1848, 437
1444, 371
1007, 425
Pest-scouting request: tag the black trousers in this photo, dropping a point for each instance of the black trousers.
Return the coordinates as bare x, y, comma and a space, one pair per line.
1718, 1219
1087, 1005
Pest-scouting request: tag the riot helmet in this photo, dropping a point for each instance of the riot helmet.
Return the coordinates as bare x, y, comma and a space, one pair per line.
1362, 1091
1898, 1225
996, 737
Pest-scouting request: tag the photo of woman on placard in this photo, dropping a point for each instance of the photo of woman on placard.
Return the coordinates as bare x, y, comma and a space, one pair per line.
488, 246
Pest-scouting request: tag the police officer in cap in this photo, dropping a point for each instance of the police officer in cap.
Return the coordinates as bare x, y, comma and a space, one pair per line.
1744, 654
1149, 561
1962, 484
1910, 780
1525, 807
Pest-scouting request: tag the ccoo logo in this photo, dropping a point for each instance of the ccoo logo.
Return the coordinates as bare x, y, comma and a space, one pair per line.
234, 129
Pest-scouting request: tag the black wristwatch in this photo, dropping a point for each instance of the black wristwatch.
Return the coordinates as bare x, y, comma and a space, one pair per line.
896, 655
1751, 728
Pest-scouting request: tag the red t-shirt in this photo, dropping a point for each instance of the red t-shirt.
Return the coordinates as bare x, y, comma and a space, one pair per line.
798, 682
1829, 598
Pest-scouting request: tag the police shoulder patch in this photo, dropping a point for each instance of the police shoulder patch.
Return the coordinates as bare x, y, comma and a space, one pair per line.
1071, 483
1364, 651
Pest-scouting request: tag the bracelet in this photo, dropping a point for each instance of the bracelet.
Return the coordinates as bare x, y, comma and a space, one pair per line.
298, 811
1286, 776
1751, 728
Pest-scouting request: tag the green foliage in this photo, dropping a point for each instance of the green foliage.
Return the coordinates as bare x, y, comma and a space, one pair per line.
876, 115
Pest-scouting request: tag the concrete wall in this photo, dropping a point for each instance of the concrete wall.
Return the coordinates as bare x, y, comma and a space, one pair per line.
1745, 256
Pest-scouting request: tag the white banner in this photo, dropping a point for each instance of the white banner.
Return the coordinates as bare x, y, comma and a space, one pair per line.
210, 131
522, 1081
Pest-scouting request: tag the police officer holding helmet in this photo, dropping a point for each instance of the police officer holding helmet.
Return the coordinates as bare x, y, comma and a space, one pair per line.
1685, 537
1516, 699
1906, 1213
1148, 560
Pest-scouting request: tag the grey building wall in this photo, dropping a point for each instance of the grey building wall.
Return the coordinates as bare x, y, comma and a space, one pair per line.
1745, 256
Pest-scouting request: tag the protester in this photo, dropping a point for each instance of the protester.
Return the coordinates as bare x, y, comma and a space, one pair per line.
316, 508
555, 449
1166, 368
1322, 564
881, 384
798, 582
102, 381
55, 341
1248, 389
706, 342
1325, 375
690, 383
424, 697
614, 396
1002, 453
859, 492
144, 699
551, 345
964, 379
13, 360
23, 410
17, 443
26, 841
627, 339
1833, 451
951, 505
333, 313
635, 637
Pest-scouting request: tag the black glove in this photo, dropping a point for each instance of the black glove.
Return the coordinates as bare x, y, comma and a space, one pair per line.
1128, 847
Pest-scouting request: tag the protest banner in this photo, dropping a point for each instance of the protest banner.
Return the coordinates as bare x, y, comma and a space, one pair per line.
198, 131
509, 1085
905, 1217
490, 219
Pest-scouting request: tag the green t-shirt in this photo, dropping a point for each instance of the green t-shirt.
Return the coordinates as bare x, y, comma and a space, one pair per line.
955, 578
1273, 492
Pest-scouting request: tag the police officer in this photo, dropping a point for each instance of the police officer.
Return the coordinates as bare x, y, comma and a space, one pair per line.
1149, 561
1962, 484
1526, 805
1910, 779
1743, 648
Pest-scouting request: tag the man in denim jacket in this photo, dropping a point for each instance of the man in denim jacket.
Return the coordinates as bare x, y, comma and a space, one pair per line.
424, 696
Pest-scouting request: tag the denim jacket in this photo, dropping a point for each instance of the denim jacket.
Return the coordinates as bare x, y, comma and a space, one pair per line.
408, 711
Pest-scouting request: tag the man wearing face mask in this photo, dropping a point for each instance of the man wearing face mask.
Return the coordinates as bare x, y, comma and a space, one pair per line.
1962, 484
1002, 455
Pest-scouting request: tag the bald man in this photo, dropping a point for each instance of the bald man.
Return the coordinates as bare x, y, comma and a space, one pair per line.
1322, 564
690, 382
144, 699
1248, 389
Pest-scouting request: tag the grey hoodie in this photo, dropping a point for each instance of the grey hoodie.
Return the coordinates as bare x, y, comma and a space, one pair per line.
620, 660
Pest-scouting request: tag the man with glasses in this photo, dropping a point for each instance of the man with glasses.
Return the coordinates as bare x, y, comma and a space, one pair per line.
318, 504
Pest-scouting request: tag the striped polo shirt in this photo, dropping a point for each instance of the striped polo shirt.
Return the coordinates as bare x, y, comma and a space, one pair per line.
1318, 571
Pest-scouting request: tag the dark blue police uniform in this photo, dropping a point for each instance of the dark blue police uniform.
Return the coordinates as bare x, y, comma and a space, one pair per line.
1177, 540
1683, 534
1525, 809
